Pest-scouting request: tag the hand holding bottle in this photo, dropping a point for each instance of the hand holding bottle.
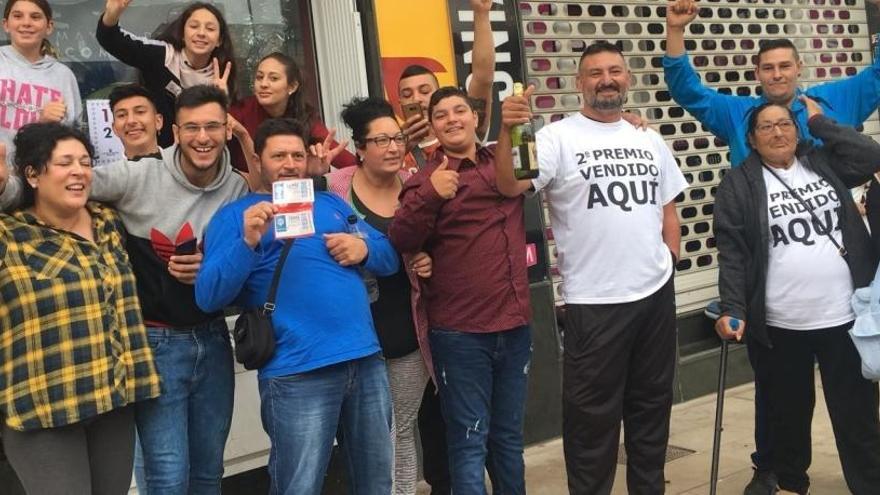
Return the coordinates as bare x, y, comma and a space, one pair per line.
516, 109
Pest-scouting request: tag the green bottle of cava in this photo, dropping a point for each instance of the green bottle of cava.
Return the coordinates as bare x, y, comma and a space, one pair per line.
522, 137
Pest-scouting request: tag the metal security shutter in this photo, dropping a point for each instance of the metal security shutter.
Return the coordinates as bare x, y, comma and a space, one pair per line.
832, 36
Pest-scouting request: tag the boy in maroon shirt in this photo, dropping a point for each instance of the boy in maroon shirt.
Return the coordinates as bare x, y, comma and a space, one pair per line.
477, 298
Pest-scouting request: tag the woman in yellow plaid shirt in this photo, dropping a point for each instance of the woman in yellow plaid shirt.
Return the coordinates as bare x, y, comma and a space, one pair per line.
73, 349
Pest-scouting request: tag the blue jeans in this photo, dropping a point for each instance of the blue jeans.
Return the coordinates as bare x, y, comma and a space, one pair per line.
482, 382
301, 414
183, 432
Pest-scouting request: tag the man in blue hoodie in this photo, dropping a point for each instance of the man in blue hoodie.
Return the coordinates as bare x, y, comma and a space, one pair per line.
849, 101
327, 372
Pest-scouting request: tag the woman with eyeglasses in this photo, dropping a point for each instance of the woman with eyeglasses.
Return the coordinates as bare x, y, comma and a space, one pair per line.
792, 248
372, 189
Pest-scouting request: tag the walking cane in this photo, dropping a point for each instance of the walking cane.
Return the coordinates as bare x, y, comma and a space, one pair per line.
719, 409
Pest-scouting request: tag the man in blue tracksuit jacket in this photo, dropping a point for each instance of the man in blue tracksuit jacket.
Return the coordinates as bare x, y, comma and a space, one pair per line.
327, 373
849, 101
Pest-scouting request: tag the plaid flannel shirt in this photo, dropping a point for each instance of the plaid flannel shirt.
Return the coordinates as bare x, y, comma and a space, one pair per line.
72, 341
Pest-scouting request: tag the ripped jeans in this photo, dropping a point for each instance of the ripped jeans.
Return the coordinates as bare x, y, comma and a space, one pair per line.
482, 382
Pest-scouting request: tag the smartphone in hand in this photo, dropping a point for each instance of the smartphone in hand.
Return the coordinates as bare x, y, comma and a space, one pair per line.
188, 247
410, 109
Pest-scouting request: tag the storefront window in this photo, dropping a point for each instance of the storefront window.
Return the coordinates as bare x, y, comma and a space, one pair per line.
258, 27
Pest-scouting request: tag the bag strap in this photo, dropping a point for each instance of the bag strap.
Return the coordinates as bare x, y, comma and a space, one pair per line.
269, 307
419, 156
840, 249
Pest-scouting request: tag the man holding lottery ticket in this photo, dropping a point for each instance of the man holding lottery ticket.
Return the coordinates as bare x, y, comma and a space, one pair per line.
327, 371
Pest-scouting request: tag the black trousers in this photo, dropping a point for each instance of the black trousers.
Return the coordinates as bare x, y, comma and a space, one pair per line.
852, 404
762, 457
619, 365
432, 434
93, 456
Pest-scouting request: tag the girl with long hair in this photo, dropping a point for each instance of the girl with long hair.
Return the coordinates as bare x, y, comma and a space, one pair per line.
37, 87
278, 93
195, 48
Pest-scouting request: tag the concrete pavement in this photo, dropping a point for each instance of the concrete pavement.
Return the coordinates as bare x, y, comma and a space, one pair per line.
692, 428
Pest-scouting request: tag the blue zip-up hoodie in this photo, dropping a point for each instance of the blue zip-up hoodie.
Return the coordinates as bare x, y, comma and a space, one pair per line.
849, 101
322, 314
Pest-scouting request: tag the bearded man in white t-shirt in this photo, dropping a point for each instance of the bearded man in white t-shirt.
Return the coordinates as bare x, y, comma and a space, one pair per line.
612, 190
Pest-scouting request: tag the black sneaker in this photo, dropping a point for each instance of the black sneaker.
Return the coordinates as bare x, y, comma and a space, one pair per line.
763, 483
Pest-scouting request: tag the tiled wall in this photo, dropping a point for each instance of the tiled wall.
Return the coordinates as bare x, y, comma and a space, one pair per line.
832, 36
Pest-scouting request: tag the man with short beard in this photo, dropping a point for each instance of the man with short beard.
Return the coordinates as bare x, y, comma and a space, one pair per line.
165, 203
778, 67
611, 190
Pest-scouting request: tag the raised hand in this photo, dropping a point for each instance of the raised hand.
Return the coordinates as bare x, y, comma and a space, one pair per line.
257, 220
680, 13
813, 108
113, 10
516, 110
221, 79
482, 6
54, 111
445, 181
346, 249
236, 128
324, 152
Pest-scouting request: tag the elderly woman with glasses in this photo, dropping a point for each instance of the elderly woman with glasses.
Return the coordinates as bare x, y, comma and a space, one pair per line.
792, 249
372, 189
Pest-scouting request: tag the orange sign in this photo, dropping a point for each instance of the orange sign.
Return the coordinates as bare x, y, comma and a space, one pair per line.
414, 33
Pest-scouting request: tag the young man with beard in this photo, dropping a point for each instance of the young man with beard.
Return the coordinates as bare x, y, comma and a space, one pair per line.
778, 69
611, 190
477, 297
165, 203
849, 101
136, 122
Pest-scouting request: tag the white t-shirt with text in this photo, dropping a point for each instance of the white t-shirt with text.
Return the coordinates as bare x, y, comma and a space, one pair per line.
606, 184
808, 286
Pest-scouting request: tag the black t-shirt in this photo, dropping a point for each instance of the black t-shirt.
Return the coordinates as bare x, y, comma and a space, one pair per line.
392, 312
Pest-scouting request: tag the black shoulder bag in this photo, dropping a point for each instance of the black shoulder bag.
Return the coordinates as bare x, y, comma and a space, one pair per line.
840, 249
254, 335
